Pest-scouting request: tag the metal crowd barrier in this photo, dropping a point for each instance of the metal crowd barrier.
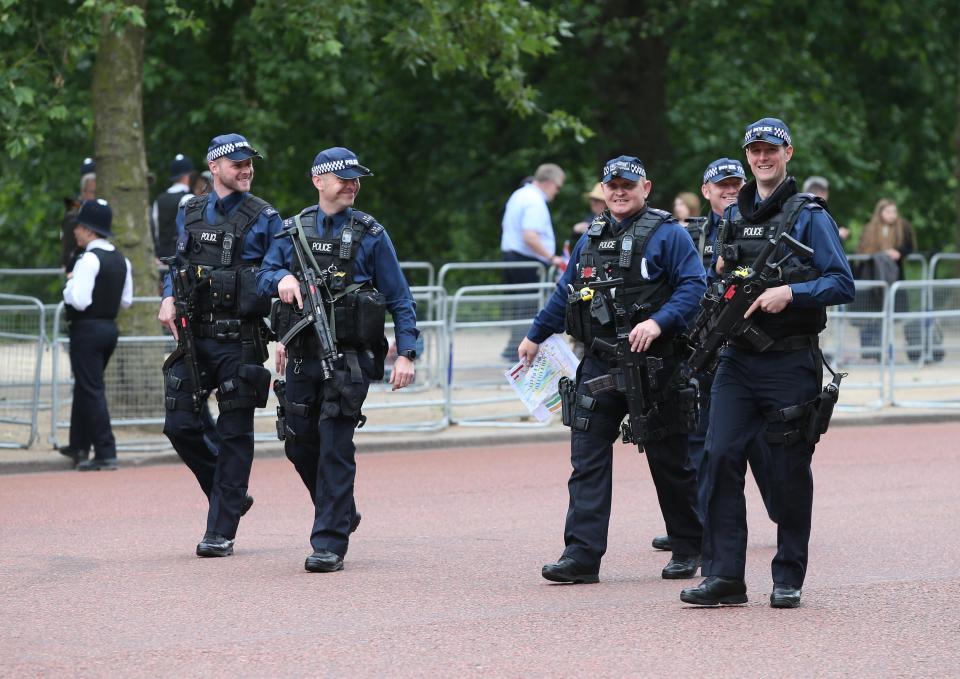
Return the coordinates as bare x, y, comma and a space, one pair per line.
929, 355
480, 353
421, 266
854, 341
940, 258
22, 340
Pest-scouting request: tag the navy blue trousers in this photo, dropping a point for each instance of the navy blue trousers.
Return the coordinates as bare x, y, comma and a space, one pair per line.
746, 386
758, 454
92, 342
591, 483
320, 443
223, 477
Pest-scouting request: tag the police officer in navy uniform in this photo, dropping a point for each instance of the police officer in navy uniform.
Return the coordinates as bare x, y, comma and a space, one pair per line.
356, 258
223, 238
98, 286
754, 393
722, 180
663, 281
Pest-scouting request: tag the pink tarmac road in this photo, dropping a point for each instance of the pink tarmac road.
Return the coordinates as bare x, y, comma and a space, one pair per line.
98, 576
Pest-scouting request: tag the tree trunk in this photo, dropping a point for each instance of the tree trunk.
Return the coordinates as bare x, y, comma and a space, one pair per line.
121, 157
134, 381
956, 159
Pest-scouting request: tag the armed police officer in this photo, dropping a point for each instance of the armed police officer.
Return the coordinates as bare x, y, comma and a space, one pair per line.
217, 317
771, 392
634, 282
331, 342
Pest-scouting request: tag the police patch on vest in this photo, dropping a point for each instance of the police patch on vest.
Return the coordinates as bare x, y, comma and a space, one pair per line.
213, 237
321, 246
608, 245
708, 249
753, 232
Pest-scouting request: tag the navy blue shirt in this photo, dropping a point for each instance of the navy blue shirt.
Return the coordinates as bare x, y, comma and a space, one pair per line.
375, 260
670, 252
217, 211
816, 229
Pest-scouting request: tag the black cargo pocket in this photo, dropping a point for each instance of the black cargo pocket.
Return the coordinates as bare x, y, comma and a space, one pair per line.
257, 377
342, 397
250, 304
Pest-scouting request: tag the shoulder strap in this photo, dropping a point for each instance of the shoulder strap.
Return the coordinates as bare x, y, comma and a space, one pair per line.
302, 240
792, 208
646, 226
246, 214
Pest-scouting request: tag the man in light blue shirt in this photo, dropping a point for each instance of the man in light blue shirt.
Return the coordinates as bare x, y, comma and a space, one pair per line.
528, 237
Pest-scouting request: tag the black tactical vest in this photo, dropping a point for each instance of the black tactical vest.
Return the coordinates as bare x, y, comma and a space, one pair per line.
699, 230
743, 240
229, 285
107, 288
358, 312
607, 254
167, 204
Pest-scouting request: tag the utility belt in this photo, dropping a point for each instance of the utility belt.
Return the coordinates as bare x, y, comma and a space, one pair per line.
792, 343
226, 330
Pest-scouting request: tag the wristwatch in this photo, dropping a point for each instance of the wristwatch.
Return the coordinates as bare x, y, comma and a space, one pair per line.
408, 353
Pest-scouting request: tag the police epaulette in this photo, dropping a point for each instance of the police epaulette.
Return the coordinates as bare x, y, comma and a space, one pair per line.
371, 224
269, 211
288, 223
657, 211
308, 209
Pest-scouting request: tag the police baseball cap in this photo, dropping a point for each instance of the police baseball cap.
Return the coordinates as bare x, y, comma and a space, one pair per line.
628, 167
770, 130
233, 146
97, 216
179, 166
723, 168
87, 166
341, 162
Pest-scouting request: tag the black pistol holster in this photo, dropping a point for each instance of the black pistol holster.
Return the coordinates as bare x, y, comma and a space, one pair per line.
812, 418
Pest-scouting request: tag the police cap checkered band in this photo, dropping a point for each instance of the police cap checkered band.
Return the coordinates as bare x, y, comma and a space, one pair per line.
769, 130
722, 169
333, 166
624, 166
228, 148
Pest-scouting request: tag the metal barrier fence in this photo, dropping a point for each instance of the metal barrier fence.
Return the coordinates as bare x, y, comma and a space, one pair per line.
890, 339
929, 356
854, 341
941, 258
22, 340
478, 356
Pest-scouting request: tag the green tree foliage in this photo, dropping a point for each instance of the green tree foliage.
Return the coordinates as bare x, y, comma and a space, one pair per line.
452, 103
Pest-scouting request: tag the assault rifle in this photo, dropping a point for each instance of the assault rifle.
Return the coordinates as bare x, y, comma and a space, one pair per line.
726, 301
185, 302
315, 313
635, 374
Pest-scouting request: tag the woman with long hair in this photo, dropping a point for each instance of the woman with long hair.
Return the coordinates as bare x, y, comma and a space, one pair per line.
888, 238
887, 232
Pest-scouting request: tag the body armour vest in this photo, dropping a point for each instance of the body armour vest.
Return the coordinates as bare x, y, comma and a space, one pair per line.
358, 311
617, 254
698, 228
107, 288
167, 204
228, 284
744, 238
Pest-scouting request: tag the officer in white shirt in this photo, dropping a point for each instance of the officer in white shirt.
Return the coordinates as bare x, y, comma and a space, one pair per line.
100, 284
